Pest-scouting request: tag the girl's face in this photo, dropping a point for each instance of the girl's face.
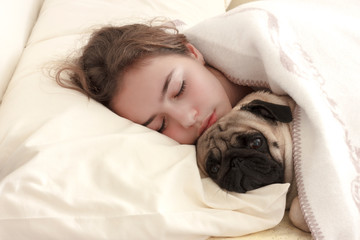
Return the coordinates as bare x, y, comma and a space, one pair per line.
172, 94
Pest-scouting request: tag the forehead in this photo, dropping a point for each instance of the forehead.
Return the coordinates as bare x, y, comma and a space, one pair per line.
141, 87
150, 70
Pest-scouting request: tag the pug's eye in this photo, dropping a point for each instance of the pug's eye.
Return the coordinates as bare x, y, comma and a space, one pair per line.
255, 143
215, 169
213, 164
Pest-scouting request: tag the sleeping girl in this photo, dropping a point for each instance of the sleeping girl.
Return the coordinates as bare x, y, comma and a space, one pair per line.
153, 77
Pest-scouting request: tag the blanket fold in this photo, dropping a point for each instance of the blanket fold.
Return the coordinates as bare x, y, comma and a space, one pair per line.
310, 51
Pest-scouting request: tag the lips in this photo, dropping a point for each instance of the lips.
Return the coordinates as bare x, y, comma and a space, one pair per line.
207, 123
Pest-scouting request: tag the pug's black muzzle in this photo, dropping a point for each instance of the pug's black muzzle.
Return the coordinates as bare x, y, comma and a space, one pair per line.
248, 170
244, 168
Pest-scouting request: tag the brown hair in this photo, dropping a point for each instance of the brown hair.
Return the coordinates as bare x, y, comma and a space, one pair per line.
111, 51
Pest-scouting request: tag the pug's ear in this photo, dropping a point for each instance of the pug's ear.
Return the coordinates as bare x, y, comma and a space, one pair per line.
269, 111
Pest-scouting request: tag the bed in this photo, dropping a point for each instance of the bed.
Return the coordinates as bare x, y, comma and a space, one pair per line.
72, 169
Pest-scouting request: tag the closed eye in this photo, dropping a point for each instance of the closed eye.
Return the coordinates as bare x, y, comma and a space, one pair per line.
181, 90
213, 163
163, 126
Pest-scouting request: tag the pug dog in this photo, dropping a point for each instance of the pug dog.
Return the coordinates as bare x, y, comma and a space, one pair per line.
251, 147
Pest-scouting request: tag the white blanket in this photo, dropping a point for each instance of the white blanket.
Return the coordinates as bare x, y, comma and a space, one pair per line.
311, 51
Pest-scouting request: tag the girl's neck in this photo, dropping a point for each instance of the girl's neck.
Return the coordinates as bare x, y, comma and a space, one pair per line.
234, 91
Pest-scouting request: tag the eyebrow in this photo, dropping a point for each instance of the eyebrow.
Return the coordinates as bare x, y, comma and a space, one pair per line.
163, 93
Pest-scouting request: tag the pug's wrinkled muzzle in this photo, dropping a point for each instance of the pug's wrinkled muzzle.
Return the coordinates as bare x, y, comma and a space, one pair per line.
249, 170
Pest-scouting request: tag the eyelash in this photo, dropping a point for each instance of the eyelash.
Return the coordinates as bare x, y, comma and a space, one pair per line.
182, 89
163, 126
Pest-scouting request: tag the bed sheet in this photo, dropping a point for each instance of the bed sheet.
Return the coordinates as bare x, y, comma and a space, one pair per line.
283, 231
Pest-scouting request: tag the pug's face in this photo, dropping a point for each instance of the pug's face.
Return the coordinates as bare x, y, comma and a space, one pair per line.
251, 146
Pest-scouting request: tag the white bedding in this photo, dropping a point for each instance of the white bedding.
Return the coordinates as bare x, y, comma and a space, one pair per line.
72, 169
17, 17
311, 51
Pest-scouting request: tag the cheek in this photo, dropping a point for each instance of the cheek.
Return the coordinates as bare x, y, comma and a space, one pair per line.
181, 135
202, 90
207, 96
208, 85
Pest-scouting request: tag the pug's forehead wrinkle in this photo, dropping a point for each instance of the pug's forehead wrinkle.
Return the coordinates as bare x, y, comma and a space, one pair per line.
220, 127
234, 139
245, 133
215, 152
216, 146
225, 142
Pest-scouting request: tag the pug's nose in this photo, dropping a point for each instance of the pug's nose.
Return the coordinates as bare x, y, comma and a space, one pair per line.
235, 161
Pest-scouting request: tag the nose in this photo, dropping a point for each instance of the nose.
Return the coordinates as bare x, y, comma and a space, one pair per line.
185, 116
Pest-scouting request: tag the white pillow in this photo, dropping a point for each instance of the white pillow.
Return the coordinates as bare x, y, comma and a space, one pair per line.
72, 169
59, 18
17, 18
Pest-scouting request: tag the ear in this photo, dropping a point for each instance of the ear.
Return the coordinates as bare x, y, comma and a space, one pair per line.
269, 111
195, 53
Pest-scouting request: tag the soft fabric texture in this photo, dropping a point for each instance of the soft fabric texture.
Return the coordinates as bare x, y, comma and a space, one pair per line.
72, 169
283, 231
311, 51
17, 18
